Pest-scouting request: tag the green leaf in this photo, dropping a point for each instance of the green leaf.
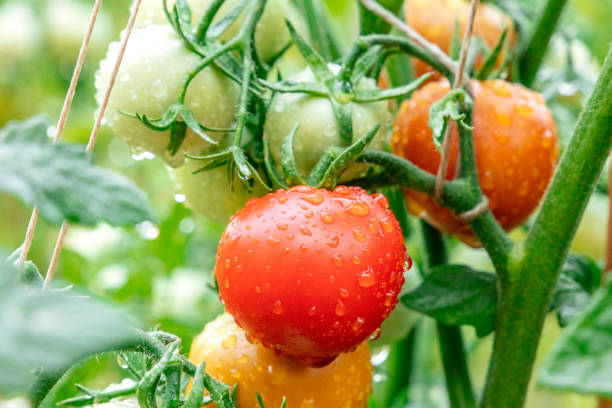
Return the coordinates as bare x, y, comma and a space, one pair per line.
447, 108
311, 88
579, 278
318, 65
373, 95
178, 132
370, 23
489, 64
581, 360
455, 47
62, 181
345, 159
228, 19
194, 125
324, 37
52, 330
456, 295
220, 393
288, 164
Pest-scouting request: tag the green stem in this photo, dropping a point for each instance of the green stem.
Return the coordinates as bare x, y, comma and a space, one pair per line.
534, 54
458, 383
535, 268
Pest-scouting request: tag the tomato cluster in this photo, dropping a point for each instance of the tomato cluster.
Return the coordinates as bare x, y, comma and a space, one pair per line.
308, 274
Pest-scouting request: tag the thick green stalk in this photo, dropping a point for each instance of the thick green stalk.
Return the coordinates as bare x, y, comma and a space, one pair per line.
534, 268
538, 44
458, 383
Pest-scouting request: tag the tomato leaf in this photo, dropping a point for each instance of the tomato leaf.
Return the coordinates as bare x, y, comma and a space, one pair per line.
318, 65
489, 64
447, 108
311, 88
370, 23
226, 21
373, 95
62, 181
581, 359
579, 278
457, 295
52, 330
290, 171
455, 47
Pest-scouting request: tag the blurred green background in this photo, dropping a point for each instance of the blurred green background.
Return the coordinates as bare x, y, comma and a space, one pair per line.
161, 272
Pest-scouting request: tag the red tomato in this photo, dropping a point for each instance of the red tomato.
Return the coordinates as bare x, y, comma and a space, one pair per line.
311, 272
515, 140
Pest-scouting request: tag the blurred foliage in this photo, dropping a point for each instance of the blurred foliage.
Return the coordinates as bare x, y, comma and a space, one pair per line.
161, 273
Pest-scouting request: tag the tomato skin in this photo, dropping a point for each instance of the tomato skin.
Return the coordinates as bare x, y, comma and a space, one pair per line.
515, 141
209, 193
435, 20
311, 272
152, 71
231, 358
318, 128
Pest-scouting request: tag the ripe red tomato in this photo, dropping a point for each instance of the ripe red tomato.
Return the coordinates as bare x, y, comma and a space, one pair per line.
515, 141
311, 272
435, 20
230, 358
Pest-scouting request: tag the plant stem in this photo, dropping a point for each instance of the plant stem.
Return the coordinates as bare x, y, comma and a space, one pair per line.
458, 383
538, 44
534, 269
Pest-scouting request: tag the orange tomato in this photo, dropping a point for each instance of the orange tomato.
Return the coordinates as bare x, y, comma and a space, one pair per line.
435, 20
515, 142
231, 358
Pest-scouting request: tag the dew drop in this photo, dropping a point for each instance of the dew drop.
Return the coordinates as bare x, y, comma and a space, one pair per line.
304, 247
309, 214
273, 241
501, 89
382, 200
305, 231
226, 283
312, 311
524, 110
337, 259
340, 308
229, 342
356, 260
359, 235
342, 190
290, 237
358, 208
375, 334
282, 200
408, 262
344, 292
282, 227
243, 359
366, 278
358, 324
327, 218
387, 225
227, 263
277, 308
389, 296
334, 242
314, 199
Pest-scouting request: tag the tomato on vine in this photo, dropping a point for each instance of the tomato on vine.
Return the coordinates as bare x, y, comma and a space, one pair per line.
149, 80
439, 26
310, 272
231, 358
515, 141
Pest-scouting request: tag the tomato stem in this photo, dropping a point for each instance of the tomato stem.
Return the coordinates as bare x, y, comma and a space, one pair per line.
534, 268
536, 49
458, 383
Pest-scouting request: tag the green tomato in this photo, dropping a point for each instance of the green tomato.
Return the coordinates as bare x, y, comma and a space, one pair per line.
271, 34
208, 192
590, 238
149, 80
318, 128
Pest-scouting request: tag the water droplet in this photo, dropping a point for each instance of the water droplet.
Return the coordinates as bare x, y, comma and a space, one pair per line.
305, 231
282, 227
158, 89
229, 342
524, 110
227, 263
282, 200
408, 262
243, 359
356, 260
389, 298
344, 292
273, 241
501, 137
250, 338
333, 242
290, 237
382, 200
226, 283
337, 259
277, 308
375, 334
359, 235
304, 247
312, 311
340, 308
344, 190
502, 118
309, 214
501, 89
366, 278
358, 208
523, 189
314, 199
358, 324
180, 198
387, 225
327, 218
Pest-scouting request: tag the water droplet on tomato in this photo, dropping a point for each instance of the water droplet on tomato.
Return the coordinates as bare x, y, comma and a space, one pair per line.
312, 311
382, 200
387, 225
344, 190
344, 292
282, 227
340, 308
229, 342
314, 199
375, 334
327, 218
356, 260
366, 278
337, 259
359, 235
408, 262
334, 242
305, 231
273, 241
277, 308
358, 208
358, 324
283, 200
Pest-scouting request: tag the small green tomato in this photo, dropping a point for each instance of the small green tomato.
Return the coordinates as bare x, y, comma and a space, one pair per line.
318, 127
149, 80
208, 192
271, 35
590, 238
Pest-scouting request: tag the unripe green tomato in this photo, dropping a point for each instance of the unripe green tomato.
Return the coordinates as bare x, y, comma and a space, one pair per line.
208, 192
318, 127
271, 34
149, 80
590, 238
